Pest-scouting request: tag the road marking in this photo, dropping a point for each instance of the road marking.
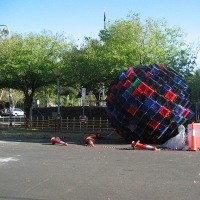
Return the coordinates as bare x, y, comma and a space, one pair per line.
5, 160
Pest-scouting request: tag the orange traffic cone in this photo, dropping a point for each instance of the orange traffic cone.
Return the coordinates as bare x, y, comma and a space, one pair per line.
56, 140
143, 146
89, 141
193, 139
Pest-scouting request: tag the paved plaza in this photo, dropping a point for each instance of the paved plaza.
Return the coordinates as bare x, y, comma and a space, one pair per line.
34, 169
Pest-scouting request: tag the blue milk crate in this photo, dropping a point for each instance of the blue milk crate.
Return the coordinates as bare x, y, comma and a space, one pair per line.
179, 110
148, 102
127, 94
155, 106
136, 103
191, 115
177, 79
167, 87
154, 71
177, 119
122, 77
144, 108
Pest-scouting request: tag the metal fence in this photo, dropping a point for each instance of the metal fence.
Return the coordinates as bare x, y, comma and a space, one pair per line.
64, 125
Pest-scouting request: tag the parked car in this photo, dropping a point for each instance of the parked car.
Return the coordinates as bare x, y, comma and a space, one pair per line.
14, 112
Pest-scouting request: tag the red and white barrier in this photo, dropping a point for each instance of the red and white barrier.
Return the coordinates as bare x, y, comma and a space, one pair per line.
56, 140
89, 141
193, 136
137, 145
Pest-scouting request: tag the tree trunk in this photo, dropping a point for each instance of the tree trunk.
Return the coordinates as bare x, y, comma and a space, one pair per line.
27, 105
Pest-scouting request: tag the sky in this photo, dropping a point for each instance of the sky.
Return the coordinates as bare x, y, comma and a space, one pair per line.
79, 18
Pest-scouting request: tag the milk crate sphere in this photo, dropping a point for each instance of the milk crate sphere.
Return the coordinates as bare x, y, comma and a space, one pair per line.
148, 103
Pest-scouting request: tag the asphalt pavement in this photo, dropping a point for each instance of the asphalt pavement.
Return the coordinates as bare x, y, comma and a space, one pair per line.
34, 169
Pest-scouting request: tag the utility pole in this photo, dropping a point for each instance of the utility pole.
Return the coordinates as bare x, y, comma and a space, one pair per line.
104, 19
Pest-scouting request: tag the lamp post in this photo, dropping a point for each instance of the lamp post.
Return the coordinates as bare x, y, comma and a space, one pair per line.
5, 31
58, 74
10, 107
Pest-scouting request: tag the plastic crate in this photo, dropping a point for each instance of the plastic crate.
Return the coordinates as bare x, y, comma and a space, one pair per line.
170, 95
149, 129
155, 96
148, 102
127, 94
110, 97
149, 91
154, 71
161, 100
131, 73
136, 83
144, 108
167, 87
132, 110
177, 118
170, 105
142, 98
154, 124
122, 77
186, 112
119, 85
127, 84
142, 87
179, 110
151, 113
139, 131
137, 93
177, 79
146, 119
156, 106
165, 112
158, 117
139, 115
190, 115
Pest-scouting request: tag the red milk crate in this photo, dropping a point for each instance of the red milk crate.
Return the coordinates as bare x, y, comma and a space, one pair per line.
127, 84
149, 74
149, 91
170, 95
131, 73
165, 112
137, 93
119, 85
132, 110
186, 112
110, 97
142, 87
113, 88
154, 124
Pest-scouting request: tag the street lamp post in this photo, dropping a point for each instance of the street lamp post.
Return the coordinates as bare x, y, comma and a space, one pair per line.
58, 74
5, 31
10, 107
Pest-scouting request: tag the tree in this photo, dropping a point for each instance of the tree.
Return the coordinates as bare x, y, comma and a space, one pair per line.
125, 43
131, 42
29, 63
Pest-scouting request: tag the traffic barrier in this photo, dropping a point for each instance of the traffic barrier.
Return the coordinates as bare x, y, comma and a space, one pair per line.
197, 134
56, 140
193, 144
138, 145
89, 141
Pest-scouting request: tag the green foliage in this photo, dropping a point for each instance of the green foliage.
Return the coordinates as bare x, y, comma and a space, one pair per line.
29, 63
129, 43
